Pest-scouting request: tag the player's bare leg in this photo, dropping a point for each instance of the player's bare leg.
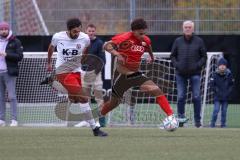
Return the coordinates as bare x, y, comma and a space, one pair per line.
98, 94
151, 88
87, 89
87, 113
109, 105
78, 95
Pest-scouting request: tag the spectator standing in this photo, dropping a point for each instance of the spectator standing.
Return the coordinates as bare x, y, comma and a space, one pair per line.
222, 84
94, 84
188, 56
11, 52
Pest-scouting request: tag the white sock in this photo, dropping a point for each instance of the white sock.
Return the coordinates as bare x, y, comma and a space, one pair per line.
85, 108
99, 102
98, 94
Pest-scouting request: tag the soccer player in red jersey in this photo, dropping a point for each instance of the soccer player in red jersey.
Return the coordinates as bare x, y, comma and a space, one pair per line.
129, 47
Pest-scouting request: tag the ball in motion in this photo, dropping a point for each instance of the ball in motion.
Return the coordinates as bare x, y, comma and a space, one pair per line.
170, 123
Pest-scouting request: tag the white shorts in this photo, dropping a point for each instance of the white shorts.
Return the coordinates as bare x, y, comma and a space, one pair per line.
91, 79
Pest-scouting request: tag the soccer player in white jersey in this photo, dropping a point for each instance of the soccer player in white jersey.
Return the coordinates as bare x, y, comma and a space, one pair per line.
69, 44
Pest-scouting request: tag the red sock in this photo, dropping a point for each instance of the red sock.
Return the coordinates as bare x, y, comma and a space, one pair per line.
106, 108
163, 103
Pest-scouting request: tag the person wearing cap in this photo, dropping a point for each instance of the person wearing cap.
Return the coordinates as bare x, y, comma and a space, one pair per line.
222, 84
11, 52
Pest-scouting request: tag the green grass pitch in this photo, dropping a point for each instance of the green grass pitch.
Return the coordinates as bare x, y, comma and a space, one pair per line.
24, 143
45, 114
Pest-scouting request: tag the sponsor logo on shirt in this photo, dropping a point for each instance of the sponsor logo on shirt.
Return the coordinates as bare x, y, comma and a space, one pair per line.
68, 52
136, 48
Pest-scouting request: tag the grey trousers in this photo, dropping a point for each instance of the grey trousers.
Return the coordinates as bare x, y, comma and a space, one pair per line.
8, 82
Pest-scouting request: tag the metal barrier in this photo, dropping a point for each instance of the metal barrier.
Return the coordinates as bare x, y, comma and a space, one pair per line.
114, 16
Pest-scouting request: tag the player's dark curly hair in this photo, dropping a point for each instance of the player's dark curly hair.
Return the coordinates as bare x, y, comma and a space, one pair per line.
138, 23
73, 22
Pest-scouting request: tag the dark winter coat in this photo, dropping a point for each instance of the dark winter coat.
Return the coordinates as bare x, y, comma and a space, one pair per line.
222, 85
188, 56
96, 57
14, 51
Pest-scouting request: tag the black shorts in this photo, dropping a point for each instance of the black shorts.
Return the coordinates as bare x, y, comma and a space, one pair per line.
121, 82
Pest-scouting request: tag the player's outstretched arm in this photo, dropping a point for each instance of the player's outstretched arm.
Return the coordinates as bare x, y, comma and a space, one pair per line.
150, 52
51, 49
111, 48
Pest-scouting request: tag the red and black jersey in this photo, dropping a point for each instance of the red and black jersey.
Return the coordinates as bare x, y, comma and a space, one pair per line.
131, 48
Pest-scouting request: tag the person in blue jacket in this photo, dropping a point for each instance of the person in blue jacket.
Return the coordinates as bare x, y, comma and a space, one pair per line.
222, 84
96, 59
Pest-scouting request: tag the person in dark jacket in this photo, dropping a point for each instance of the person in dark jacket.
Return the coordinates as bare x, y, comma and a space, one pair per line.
92, 82
188, 56
222, 84
11, 52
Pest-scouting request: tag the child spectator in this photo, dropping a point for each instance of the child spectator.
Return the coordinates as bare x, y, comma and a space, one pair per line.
222, 84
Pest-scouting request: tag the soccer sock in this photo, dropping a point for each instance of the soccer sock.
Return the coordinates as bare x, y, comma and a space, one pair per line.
98, 94
99, 102
164, 104
86, 109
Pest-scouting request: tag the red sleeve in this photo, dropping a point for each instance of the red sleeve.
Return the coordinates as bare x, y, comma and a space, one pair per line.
147, 40
120, 38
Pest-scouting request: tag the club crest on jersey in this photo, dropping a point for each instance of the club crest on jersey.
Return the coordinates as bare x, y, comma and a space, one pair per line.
137, 48
78, 46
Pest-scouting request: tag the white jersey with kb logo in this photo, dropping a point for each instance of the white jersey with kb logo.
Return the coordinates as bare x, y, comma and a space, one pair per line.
67, 48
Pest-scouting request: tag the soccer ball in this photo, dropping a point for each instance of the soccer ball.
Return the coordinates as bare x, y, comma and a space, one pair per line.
170, 123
